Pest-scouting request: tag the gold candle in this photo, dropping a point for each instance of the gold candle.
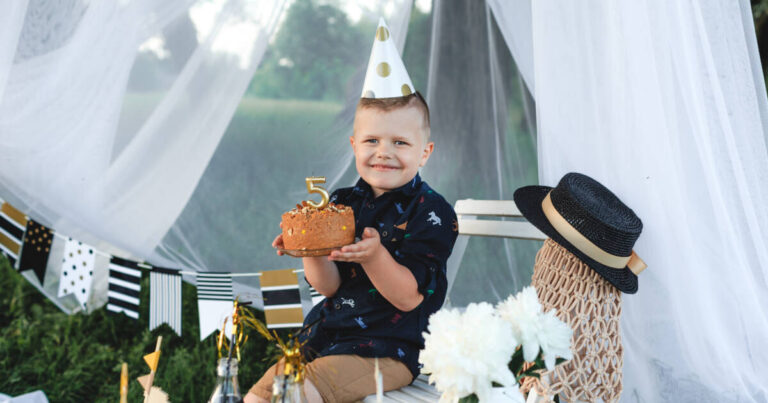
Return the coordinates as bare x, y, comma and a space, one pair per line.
312, 187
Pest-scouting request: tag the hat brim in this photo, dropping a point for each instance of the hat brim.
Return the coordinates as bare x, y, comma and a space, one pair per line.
528, 200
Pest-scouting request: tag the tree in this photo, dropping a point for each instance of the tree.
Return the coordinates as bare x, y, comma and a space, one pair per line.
316, 49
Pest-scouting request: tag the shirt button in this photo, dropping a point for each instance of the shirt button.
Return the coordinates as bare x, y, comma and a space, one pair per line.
337, 306
371, 206
384, 234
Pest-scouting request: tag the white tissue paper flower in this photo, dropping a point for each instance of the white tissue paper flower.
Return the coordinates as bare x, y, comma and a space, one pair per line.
465, 352
555, 339
522, 311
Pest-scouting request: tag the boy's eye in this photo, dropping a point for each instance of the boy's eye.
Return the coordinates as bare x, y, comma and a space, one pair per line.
372, 141
401, 143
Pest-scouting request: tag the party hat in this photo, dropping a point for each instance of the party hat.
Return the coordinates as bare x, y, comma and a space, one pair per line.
386, 76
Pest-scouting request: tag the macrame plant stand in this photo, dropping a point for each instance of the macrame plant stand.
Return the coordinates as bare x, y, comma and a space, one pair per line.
591, 307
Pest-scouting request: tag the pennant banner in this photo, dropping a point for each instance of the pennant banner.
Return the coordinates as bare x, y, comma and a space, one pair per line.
12, 226
77, 271
214, 302
36, 249
316, 296
124, 287
165, 298
282, 301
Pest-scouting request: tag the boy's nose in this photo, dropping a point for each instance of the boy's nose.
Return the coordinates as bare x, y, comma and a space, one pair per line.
383, 152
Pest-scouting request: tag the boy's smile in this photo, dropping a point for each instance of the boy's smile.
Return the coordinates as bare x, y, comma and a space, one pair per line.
389, 146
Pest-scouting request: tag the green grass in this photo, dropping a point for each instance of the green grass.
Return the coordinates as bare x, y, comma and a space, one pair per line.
77, 358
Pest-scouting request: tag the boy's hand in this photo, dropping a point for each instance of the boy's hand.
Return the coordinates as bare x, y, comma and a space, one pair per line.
278, 243
362, 251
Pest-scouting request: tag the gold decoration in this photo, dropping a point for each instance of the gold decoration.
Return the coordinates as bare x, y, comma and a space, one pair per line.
406, 90
382, 34
383, 69
312, 187
152, 360
124, 384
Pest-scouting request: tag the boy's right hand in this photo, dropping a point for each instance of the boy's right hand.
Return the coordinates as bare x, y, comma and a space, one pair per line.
278, 243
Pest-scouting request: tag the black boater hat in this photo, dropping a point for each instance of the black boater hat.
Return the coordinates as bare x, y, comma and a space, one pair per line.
589, 221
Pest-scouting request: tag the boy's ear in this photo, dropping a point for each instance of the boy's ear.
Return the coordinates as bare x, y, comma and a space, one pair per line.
428, 148
352, 140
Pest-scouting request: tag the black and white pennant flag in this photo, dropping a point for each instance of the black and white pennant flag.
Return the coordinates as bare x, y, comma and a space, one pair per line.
165, 298
36, 249
77, 271
124, 287
316, 296
282, 301
214, 302
12, 225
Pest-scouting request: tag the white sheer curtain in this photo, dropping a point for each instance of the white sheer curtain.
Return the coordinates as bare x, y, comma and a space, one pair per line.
61, 160
62, 102
664, 102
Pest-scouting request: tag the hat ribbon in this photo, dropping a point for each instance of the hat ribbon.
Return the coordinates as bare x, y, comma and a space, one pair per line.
580, 242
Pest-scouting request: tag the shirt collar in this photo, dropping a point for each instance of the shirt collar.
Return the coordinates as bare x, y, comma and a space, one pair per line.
409, 189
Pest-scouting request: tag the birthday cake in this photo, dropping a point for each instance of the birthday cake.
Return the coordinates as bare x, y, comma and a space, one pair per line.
308, 228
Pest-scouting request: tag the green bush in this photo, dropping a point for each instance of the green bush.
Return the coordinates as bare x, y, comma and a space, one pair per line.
78, 358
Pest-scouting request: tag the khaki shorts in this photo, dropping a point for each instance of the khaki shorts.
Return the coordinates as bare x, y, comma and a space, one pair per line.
343, 378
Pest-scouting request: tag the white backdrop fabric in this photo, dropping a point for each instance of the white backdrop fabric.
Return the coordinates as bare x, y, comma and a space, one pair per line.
664, 103
61, 104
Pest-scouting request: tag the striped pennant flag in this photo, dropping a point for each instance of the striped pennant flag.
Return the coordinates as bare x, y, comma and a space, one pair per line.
124, 287
165, 298
36, 249
316, 296
282, 301
214, 302
12, 225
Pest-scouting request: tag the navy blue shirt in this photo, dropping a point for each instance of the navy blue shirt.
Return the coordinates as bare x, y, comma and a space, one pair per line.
418, 228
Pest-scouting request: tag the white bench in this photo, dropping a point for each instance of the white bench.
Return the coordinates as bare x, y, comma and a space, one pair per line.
476, 218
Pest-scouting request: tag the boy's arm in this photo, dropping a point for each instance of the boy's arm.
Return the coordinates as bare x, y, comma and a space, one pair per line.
394, 281
322, 274
319, 271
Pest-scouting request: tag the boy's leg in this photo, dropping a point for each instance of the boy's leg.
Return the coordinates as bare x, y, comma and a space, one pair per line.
338, 378
349, 378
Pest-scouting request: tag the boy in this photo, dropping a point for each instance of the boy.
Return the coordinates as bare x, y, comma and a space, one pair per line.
381, 290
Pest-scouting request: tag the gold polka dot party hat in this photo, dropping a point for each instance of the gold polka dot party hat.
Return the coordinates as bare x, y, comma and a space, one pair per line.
386, 76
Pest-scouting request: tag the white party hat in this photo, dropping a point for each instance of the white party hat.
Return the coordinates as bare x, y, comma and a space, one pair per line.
386, 76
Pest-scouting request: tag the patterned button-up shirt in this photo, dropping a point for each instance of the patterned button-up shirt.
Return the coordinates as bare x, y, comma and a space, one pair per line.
418, 228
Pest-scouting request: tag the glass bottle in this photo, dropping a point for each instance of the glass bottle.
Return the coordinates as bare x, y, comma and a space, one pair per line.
227, 389
286, 389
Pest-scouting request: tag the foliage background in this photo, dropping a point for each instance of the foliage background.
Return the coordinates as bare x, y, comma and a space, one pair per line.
77, 358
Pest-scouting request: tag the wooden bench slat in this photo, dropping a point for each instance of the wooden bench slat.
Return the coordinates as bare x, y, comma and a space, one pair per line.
504, 229
493, 208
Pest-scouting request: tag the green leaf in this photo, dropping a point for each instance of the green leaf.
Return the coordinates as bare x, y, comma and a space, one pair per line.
470, 399
516, 364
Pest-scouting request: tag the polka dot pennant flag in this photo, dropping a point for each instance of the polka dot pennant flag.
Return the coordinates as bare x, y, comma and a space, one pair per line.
77, 271
386, 76
36, 249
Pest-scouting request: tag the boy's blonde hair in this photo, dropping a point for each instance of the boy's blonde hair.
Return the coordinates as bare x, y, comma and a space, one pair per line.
388, 104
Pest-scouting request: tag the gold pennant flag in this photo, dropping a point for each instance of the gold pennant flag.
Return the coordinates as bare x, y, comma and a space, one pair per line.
282, 301
152, 359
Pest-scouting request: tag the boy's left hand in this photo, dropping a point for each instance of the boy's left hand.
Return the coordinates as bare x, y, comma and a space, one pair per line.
362, 251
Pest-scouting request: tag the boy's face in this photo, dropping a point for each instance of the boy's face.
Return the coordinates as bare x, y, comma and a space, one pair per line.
389, 146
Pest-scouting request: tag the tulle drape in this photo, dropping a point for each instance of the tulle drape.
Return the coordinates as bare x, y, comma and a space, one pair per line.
664, 103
